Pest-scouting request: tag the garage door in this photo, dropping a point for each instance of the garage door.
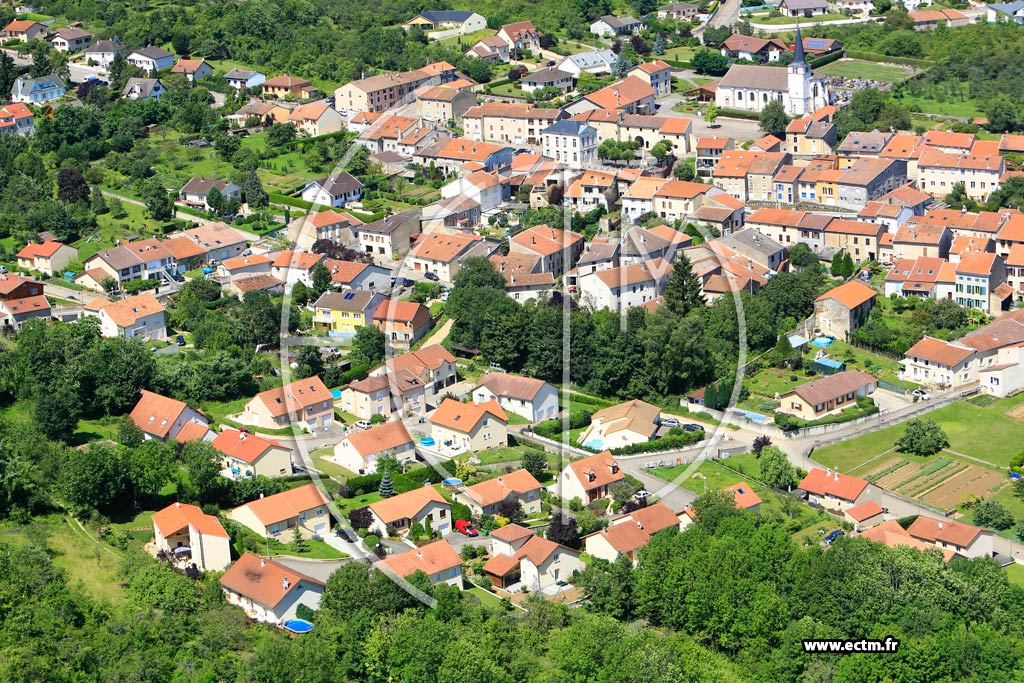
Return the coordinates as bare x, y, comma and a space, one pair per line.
443, 529
320, 529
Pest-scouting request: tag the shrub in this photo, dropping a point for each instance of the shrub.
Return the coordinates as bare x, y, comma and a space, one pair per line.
370, 541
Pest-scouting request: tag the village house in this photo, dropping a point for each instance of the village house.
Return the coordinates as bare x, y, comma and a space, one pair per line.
245, 79
384, 91
521, 560
521, 35
311, 120
143, 89
836, 492
807, 137
151, 59
102, 53
757, 246
893, 535
48, 258
528, 397
196, 190
865, 515
258, 113
337, 226
17, 119
373, 396
492, 49
192, 69
630, 94
549, 77
360, 451
590, 478
341, 314
657, 74
437, 559
192, 536
390, 237
402, 322
678, 10
804, 8
557, 249
268, 591
295, 266
980, 174
334, 190
626, 535
610, 25
140, 316
507, 123
305, 403
827, 395
278, 516
163, 418
489, 190
443, 254
247, 455
624, 287
443, 104
469, 427
71, 39
914, 240
858, 239
450, 156
287, 87
928, 20
439, 24
23, 30
979, 277
938, 363
570, 142
358, 275
752, 48
39, 90
596, 62
963, 539
423, 505
621, 425
843, 309
419, 378
14, 287
519, 486
15, 312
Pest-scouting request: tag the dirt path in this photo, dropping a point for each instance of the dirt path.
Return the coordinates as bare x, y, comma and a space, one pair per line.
440, 334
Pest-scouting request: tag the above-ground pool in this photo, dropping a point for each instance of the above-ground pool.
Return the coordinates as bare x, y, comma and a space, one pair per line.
298, 626
823, 342
451, 483
596, 444
752, 416
428, 441
336, 394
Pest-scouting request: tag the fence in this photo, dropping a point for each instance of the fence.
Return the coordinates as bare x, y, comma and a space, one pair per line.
889, 386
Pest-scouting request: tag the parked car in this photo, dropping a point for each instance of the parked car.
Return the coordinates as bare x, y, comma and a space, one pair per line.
670, 422
921, 394
364, 424
832, 536
496, 367
464, 526
431, 275
180, 340
347, 535
691, 427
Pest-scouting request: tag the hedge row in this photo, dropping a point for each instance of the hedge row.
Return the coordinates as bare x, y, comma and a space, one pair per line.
277, 198
826, 59
670, 441
550, 429
875, 57
413, 479
788, 423
737, 114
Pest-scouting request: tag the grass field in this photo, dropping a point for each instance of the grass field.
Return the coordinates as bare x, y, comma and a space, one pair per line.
816, 19
487, 598
855, 68
468, 39
963, 423
1015, 573
968, 108
682, 53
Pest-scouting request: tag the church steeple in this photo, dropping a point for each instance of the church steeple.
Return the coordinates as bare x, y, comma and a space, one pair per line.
798, 49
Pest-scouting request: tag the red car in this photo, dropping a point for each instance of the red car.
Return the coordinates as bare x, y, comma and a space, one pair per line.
465, 527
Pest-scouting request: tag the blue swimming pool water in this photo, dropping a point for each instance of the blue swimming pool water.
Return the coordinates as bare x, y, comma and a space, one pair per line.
336, 394
754, 417
428, 441
298, 626
596, 444
822, 342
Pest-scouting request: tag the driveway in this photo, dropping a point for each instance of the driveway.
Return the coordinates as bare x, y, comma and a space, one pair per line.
316, 569
890, 400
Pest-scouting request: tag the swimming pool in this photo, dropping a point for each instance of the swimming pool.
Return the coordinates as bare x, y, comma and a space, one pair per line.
596, 444
336, 394
298, 626
754, 417
823, 342
428, 441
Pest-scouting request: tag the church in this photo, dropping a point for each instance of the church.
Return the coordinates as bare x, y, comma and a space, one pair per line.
750, 88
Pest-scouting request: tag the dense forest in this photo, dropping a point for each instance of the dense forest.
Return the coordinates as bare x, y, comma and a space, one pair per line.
727, 601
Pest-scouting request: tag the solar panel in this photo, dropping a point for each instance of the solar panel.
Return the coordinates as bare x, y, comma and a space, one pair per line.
349, 295
815, 42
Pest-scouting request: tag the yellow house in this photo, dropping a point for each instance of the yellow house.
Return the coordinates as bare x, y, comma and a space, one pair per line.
277, 516
247, 455
341, 313
827, 186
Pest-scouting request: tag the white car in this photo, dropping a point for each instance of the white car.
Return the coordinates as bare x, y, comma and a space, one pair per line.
670, 422
921, 394
364, 424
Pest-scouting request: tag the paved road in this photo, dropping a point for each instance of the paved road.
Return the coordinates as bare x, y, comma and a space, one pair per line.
74, 294
317, 569
727, 14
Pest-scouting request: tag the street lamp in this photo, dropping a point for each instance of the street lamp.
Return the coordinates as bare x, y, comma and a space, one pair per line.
700, 475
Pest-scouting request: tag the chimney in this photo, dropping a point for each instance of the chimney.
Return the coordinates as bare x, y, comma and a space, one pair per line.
639, 525
178, 504
263, 562
940, 525
241, 436
285, 583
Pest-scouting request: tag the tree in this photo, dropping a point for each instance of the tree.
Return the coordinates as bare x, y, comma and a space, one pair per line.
71, 186
41, 65
298, 544
564, 531
774, 119
159, 203
321, 279
255, 196
922, 436
360, 518
1009, 195
801, 256
280, 134
685, 170
622, 65
309, 363
709, 62
536, 462
881, 6
128, 433
215, 201
659, 45
510, 509
713, 508
775, 468
759, 444
711, 113
992, 513
1003, 113
683, 289
386, 488
661, 150
368, 345
8, 74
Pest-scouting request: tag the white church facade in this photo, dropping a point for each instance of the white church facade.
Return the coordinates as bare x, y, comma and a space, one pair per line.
751, 88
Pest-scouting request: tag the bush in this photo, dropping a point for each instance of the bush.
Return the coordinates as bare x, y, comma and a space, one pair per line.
370, 541
673, 440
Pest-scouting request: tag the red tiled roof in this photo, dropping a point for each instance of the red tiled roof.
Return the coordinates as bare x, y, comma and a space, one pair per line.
843, 486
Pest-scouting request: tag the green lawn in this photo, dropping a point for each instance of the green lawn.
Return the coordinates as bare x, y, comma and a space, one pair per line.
332, 470
717, 476
1015, 573
683, 53
856, 68
89, 563
966, 107
468, 39
347, 504
217, 411
486, 597
963, 423
512, 89
816, 19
